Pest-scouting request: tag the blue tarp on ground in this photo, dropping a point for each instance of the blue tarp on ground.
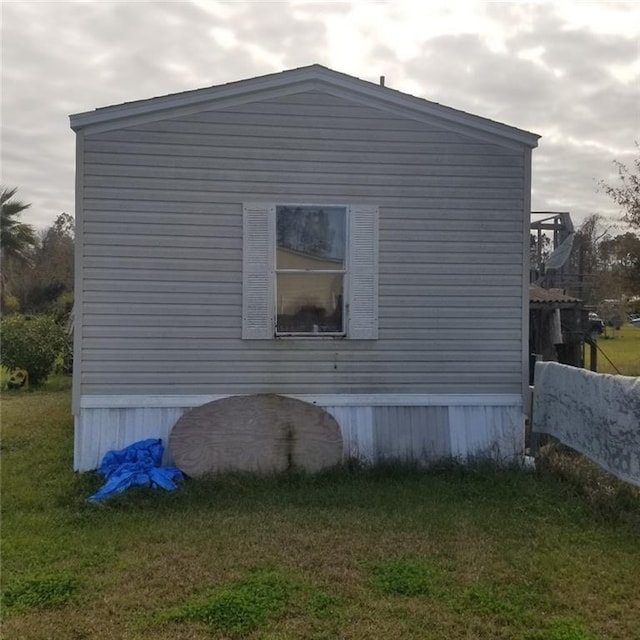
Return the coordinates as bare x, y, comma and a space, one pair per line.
137, 464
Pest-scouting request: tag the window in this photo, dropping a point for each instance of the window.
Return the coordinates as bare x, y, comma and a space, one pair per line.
311, 248
309, 271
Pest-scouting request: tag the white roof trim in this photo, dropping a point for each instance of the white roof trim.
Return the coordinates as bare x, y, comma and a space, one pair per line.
314, 77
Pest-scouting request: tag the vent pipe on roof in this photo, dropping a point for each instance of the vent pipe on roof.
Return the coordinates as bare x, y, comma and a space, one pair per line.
382, 81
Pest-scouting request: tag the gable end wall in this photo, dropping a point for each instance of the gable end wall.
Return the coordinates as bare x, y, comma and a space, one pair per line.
161, 284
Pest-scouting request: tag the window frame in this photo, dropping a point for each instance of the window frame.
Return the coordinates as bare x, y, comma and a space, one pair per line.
360, 280
344, 272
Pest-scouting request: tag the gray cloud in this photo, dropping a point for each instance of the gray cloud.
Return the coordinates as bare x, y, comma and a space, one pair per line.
105, 53
569, 95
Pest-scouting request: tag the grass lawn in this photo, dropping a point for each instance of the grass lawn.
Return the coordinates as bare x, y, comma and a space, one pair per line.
391, 553
622, 348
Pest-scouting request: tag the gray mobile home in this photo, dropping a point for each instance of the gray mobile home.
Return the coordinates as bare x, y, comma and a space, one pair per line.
308, 234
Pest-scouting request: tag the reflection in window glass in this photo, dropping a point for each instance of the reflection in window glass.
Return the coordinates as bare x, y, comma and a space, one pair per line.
310, 267
312, 231
309, 303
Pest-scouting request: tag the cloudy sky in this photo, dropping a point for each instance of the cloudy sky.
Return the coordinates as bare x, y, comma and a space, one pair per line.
569, 71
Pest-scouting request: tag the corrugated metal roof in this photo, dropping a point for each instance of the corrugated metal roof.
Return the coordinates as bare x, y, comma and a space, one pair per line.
549, 296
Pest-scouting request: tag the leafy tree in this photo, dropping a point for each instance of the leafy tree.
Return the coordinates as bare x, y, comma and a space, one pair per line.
627, 192
52, 275
620, 256
602, 266
38, 284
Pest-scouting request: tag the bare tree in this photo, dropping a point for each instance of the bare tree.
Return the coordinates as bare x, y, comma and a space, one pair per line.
585, 257
627, 192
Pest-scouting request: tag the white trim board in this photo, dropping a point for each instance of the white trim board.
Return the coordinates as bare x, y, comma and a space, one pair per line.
329, 400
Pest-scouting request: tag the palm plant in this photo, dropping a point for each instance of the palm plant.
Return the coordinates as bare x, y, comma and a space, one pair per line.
16, 237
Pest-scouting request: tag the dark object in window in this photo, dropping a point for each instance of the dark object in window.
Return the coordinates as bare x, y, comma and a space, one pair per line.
310, 269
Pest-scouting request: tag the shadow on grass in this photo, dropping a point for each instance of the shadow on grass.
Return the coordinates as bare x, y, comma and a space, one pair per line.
606, 497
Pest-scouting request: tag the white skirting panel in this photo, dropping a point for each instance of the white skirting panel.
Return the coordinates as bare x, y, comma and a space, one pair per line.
356, 425
375, 428
486, 432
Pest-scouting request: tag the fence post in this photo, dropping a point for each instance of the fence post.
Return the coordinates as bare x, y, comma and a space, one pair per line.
534, 438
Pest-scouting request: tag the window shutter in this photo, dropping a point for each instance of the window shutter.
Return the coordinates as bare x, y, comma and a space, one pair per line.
258, 234
363, 272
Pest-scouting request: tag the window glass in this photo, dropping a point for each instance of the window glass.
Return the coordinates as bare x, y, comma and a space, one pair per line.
309, 302
310, 268
315, 234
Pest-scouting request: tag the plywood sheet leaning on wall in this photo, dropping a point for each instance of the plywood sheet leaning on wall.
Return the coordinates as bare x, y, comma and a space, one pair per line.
256, 433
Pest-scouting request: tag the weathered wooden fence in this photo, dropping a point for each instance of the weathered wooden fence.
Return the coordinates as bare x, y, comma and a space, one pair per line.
595, 414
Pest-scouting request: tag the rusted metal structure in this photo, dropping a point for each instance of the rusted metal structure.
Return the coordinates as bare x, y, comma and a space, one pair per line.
558, 324
549, 272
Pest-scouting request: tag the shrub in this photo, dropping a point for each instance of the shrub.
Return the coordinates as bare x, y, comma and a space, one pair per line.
62, 307
31, 343
66, 356
10, 304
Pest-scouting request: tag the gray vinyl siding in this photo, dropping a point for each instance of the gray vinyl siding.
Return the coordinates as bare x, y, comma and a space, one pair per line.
162, 266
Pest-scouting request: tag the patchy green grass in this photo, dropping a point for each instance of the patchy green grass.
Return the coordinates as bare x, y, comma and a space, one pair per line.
622, 348
395, 552
410, 577
242, 607
46, 592
607, 497
562, 629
